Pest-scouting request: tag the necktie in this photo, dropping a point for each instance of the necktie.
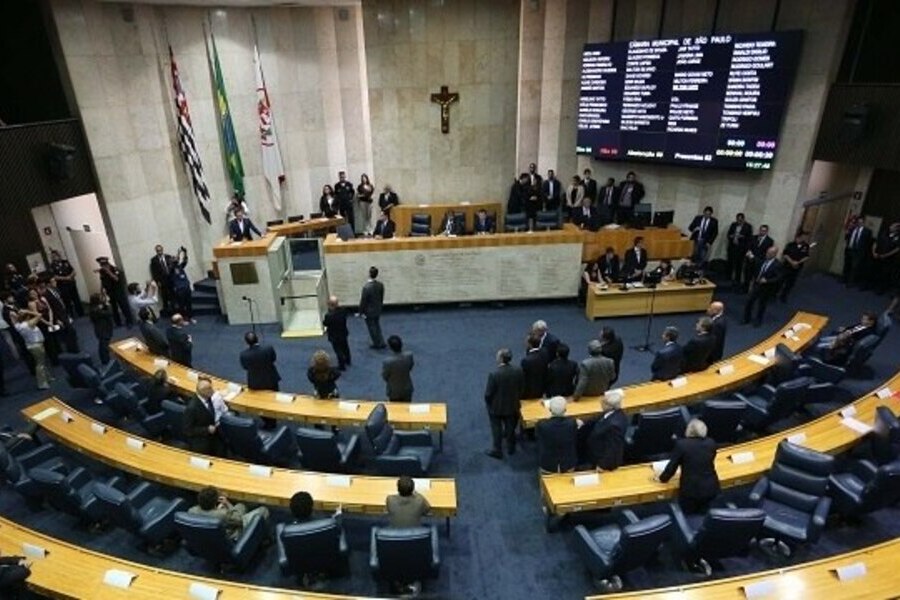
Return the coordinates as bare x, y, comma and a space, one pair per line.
608, 196
855, 240
703, 227
765, 267
761, 239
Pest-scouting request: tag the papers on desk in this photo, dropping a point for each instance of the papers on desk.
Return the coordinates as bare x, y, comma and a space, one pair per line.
260, 470
338, 481
726, 369
348, 406
33, 550
856, 425
678, 382
422, 485
127, 345
193, 376
801, 326
284, 398
202, 591
614, 394
848, 411
66, 416
659, 466
98, 428
852, 571
47, 412
637, 284
160, 363
741, 458
419, 409
234, 388
134, 444
789, 334
586, 480
200, 462
797, 438
884, 393
118, 578
760, 360
759, 589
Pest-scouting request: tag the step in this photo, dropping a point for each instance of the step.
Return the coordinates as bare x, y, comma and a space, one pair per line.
205, 285
204, 299
206, 310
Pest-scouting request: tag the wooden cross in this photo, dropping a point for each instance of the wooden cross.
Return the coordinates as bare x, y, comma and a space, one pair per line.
445, 99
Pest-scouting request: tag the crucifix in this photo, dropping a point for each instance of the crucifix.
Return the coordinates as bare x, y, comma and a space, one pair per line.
445, 99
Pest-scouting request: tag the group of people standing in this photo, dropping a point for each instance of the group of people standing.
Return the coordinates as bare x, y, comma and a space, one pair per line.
356, 204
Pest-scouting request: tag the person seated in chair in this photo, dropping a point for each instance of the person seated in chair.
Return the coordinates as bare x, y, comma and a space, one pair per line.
236, 516
384, 227
668, 360
608, 265
836, 348
301, 506
407, 507
450, 225
484, 223
635, 261
585, 216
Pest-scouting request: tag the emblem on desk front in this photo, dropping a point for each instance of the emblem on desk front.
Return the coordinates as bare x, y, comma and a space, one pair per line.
420, 260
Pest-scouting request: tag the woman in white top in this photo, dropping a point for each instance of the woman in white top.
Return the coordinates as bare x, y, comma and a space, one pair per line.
138, 299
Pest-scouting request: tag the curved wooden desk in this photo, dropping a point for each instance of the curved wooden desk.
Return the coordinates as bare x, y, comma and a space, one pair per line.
815, 579
660, 394
69, 571
632, 484
172, 466
298, 408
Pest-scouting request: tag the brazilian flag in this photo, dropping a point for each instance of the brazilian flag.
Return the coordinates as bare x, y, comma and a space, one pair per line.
232, 153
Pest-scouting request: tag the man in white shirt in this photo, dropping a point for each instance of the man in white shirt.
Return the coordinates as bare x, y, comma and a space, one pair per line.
34, 342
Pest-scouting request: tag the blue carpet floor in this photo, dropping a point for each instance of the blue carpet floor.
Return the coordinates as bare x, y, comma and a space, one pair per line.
498, 547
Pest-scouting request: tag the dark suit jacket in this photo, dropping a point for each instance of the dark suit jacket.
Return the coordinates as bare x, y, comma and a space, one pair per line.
637, 192
396, 372
372, 299
197, 419
154, 338
667, 362
589, 221
180, 347
335, 323
712, 229
455, 228
719, 329
772, 275
561, 374
549, 346
234, 230
385, 229
606, 440
486, 227
551, 199
590, 188
864, 246
259, 362
613, 200
387, 200
557, 444
503, 393
609, 267
696, 352
160, 273
696, 457
614, 350
632, 264
329, 210
534, 369
759, 247
740, 237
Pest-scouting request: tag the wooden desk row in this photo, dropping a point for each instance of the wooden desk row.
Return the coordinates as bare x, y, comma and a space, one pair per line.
816, 579
633, 485
285, 406
667, 297
249, 483
260, 246
63, 570
661, 394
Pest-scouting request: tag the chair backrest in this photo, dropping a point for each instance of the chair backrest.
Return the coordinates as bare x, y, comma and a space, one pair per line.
640, 542
460, 219
862, 351
404, 554
884, 488
242, 435
727, 531
885, 436
129, 403
319, 449
295, 218
10, 469
419, 230
656, 430
789, 396
312, 547
174, 412
421, 219
722, 418
53, 487
547, 219
204, 536
883, 324
90, 377
117, 507
787, 354
70, 364
799, 476
274, 222
378, 430
516, 222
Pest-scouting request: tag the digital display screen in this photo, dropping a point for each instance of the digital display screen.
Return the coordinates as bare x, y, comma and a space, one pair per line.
707, 100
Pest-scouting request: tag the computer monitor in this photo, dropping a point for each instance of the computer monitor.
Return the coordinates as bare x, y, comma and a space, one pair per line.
345, 232
663, 218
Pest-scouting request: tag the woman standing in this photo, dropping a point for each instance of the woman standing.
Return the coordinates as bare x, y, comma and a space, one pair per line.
181, 286
328, 204
696, 455
101, 317
364, 192
323, 375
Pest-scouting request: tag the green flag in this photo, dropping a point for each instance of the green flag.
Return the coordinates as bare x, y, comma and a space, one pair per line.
232, 153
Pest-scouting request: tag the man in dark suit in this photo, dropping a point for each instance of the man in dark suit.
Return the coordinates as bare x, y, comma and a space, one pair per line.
585, 216
503, 396
343, 193
259, 362
200, 426
668, 360
611, 347
764, 287
716, 314
384, 227
595, 372
534, 369
695, 454
857, 250
241, 226
65, 276
535, 180
180, 344
608, 201
547, 342
552, 191
396, 370
605, 436
370, 303
66, 333
557, 439
631, 192
756, 254
153, 337
739, 237
335, 323
698, 348
484, 223
635, 261
704, 231
112, 280
388, 199
160, 271
608, 265
590, 186
561, 374
451, 225
794, 256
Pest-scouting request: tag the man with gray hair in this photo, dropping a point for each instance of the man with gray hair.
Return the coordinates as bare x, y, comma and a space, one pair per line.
503, 396
547, 342
557, 439
698, 348
605, 436
594, 373
716, 314
667, 362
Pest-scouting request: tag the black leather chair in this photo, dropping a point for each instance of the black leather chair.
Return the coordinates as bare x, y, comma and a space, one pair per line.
103, 387
142, 511
720, 533
612, 550
205, 536
14, 469
792, 494
864, 488
883, 325
860, 354
654, 432
312, 548
723, 419
247, 441
821, 371
420, 225
546, 220
321, 450
69, 363
460, 219
770, 404
72, 493
884, 439
274, 222
404, 555
398, 452
515, 222
126, 405
174, 418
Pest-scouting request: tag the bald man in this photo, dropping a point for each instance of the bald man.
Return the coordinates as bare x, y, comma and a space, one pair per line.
181, 346
200, 420
716, 314
335, 323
